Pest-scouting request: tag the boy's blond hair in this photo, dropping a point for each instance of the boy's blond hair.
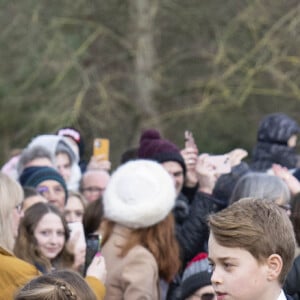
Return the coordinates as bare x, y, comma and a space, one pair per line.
258, 226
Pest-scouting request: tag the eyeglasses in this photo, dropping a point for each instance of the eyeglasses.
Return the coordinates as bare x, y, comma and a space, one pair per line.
93, 189
205, 296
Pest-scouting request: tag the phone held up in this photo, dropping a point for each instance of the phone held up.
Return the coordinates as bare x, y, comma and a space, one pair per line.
93, 245
221, 163
101, 147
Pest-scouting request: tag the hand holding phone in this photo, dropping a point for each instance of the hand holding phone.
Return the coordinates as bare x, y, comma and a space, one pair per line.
76, 244
220, 163
93, 246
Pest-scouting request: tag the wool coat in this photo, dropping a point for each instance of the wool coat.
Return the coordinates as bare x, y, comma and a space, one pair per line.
132, 277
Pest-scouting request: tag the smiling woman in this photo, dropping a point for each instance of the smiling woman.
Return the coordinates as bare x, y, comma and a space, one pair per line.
42, 238
16, 272
75, 207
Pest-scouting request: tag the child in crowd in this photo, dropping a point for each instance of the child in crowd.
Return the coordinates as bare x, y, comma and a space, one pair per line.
63, 285
42, 238
14, 271
195, 282
251, 249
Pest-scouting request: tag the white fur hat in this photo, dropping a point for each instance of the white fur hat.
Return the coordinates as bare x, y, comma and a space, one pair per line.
139, 194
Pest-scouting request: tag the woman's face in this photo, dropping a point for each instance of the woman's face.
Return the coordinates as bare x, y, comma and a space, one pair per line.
50, 235
63, 165
74, 210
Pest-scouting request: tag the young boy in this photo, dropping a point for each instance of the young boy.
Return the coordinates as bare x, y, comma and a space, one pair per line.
251, 248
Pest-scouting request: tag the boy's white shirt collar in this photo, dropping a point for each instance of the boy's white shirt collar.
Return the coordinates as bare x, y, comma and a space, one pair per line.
282, 296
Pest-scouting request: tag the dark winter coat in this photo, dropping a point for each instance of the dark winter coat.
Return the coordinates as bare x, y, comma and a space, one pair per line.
226, 183
191, 224
192, 233
292, 282
272, 137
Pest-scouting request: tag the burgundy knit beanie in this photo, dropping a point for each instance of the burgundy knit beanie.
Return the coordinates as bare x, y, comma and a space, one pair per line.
154, 147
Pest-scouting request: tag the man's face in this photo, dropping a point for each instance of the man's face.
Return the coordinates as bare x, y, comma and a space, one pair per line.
176, 171
54, 192
94, 184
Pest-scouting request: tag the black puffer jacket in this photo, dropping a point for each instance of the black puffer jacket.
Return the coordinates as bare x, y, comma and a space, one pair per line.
191, 229
191, 224
272, 137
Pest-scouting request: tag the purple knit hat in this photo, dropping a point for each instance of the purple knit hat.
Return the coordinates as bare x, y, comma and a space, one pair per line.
154, 147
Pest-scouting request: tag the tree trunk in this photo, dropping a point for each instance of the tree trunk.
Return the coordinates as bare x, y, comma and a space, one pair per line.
143, 16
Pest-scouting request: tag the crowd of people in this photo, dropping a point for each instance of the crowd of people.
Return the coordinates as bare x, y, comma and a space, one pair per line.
166, 224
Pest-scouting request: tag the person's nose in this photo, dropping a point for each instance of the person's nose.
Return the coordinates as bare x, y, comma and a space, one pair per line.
216, 277
72, 217
53, 239
51, 196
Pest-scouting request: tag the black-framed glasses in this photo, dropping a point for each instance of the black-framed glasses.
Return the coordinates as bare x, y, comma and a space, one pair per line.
93, 189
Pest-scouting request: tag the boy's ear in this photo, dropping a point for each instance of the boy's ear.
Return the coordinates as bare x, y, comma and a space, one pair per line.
275, 264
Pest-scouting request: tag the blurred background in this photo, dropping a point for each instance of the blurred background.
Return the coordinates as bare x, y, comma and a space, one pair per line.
113, 68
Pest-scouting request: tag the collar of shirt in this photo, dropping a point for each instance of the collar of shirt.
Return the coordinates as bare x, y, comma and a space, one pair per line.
281, 296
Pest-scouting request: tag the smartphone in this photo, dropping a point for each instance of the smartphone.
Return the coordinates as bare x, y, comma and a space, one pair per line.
221, 163
101, 147
93, 245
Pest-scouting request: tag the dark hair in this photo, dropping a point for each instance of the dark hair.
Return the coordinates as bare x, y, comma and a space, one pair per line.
26, 246
62, 285
129, 154
92, 216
